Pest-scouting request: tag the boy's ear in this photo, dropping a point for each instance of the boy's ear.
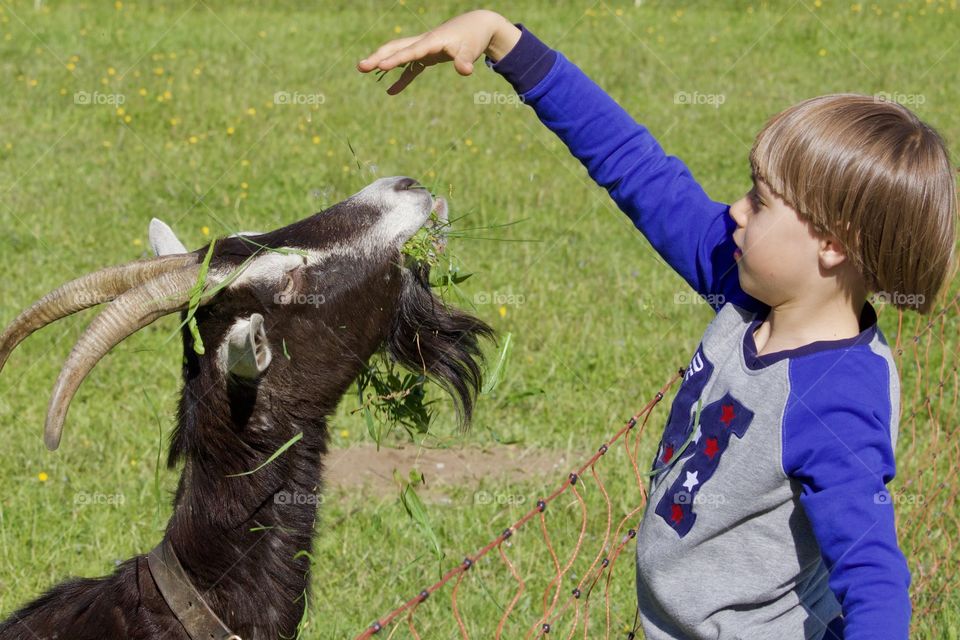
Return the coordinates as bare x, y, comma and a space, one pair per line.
832, 253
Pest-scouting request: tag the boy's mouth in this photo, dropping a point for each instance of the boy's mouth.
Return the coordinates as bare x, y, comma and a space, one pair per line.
737, 253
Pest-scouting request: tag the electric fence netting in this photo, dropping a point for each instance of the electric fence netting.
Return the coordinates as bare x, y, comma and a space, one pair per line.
579, 582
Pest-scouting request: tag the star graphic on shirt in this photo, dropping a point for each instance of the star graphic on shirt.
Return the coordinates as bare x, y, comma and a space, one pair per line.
711, 449
727, 416
691, 480
676, 513
668, 453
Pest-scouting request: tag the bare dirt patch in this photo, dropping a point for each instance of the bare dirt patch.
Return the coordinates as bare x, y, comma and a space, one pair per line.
363, 468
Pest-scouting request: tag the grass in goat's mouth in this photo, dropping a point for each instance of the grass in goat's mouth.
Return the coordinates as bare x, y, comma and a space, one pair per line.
426, 245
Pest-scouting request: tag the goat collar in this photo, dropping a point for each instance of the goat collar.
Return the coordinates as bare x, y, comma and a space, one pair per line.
186, 603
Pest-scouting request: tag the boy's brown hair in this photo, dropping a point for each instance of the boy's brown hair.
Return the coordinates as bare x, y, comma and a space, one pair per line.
870, 172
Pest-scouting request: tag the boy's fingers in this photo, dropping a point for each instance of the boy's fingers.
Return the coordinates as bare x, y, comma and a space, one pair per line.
416, 51
373, 60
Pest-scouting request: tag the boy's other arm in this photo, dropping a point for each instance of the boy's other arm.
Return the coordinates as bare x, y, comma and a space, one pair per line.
836, 443
692, 232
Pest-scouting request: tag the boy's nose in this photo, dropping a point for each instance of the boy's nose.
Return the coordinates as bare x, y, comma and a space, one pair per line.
738, 211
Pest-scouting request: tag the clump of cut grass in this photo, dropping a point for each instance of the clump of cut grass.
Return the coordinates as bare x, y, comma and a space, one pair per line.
426, 246
390, 399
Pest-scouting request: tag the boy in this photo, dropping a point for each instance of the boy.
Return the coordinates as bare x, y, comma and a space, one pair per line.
769, 517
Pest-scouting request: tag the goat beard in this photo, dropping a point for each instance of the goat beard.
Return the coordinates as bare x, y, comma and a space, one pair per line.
438, 340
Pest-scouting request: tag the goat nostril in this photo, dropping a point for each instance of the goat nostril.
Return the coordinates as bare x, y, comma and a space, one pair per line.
406, 183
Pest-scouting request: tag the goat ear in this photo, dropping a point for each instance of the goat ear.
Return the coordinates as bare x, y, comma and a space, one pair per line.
163, 240
245, 352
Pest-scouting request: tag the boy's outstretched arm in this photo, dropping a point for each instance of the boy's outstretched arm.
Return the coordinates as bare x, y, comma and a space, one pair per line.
689, 230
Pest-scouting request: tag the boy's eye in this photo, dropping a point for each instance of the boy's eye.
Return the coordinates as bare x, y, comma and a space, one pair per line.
755, 202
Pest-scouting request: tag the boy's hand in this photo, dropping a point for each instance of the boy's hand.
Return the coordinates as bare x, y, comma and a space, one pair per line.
462, 39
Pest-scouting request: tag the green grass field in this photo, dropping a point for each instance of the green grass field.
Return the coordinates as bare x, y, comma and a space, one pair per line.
200, 142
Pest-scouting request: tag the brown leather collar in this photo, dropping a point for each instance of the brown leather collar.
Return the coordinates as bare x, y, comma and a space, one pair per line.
196, 616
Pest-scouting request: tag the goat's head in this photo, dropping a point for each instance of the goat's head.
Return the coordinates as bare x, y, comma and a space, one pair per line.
286, 319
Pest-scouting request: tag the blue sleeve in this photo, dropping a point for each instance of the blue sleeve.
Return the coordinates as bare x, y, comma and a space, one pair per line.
691, 232
837, 444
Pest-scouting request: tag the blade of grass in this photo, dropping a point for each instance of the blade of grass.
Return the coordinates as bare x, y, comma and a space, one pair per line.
276, 454
195, 294
494, 379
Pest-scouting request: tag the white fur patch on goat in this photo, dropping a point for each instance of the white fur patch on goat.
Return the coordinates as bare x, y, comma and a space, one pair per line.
402, 212
269, 268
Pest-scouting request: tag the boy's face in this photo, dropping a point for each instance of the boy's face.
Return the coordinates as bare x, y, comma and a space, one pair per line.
778, 259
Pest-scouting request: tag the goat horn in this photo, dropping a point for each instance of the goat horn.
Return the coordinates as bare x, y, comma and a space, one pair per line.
84, 292
130, 312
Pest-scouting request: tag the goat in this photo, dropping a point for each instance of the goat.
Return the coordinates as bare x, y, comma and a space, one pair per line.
287, 320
